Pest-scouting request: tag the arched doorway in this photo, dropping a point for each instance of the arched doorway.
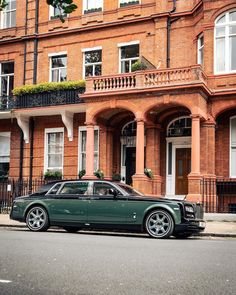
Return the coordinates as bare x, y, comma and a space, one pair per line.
178, 151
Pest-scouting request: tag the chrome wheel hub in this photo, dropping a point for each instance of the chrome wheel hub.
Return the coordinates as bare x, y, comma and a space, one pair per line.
36, 218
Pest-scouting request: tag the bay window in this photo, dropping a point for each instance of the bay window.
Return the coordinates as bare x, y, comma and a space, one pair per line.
54, 149
233, 147
92, 62
58, 68
225, 43
129, 54
8, 15
92, 6
4, 154
82, 148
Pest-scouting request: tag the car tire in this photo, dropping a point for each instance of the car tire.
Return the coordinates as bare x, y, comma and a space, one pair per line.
37, 219
182, 235
159, 224
71, 229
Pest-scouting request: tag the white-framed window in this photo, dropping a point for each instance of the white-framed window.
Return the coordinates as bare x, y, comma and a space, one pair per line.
58, 68
124, 3
92, 59
54, 149
8, 15
55, 12
90, 6
129, 54
4, 153
82, 148
200, 50
6, 78
225, 43
233, 147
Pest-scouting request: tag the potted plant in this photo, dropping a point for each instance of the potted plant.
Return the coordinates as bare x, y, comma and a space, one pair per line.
99, 174
148, 173
81, 173
53, 175
116, 177
138, 66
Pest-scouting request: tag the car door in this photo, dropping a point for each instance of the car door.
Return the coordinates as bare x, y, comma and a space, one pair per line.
70, 203
103, 207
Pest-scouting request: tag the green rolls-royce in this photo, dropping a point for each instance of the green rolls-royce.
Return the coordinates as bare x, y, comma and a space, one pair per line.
98, 204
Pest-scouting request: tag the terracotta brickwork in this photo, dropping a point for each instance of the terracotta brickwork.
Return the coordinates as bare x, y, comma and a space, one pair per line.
152, 98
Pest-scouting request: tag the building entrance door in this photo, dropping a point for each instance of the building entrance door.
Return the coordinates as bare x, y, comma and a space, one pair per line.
130, 163
182, 169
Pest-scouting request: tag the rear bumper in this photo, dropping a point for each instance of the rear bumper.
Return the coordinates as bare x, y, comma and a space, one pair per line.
190, 226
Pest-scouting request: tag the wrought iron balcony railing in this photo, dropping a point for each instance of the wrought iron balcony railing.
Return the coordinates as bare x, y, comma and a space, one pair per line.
6, 103
52, 98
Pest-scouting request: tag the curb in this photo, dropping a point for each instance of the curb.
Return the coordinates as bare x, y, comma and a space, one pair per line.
218, 235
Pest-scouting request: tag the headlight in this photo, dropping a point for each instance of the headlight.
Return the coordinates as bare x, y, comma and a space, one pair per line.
189, 209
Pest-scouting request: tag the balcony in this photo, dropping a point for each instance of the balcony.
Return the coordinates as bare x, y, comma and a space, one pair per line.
146, 80
51, 98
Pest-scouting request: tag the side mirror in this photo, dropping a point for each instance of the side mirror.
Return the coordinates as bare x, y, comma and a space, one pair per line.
113, 192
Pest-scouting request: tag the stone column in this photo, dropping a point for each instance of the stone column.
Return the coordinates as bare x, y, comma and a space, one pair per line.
140, 148
194, 178
153, 156
90, 152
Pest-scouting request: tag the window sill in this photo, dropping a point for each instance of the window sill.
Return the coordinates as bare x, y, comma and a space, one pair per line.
129, 10
92, 17
7, 32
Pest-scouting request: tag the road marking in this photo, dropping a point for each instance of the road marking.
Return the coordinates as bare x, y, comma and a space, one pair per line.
5, 281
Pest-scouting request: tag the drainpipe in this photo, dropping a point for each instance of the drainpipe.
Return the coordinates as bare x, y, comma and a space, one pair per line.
36, 41
34, 82
168, 27
24, 79
25, 44
31, 153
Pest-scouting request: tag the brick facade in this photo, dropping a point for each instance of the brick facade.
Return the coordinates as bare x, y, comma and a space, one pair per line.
158, 98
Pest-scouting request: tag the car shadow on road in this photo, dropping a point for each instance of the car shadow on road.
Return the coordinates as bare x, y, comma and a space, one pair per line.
104, 233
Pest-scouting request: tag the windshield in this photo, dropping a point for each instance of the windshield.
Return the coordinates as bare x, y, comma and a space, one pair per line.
129, 190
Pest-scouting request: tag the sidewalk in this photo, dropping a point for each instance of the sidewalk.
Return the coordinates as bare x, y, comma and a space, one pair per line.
218, 225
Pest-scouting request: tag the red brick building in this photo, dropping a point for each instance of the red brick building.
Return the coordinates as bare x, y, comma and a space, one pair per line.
176, 117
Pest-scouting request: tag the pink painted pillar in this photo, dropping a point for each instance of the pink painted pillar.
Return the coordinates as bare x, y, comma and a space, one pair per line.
90, 151
140, 148
195, 156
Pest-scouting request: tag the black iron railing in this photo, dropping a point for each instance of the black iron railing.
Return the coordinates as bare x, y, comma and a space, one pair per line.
6, 103
52, 98
219, 195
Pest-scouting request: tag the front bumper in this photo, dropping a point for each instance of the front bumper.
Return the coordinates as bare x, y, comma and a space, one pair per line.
190, 226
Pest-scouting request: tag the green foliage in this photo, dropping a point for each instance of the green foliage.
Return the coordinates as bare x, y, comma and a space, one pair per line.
81, 173
3, 4
138, 66
116, 177
65, 7
53, 175
148, 173
99, 174
48, 86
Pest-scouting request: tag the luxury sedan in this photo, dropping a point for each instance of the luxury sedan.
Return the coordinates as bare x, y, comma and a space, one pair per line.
98, 204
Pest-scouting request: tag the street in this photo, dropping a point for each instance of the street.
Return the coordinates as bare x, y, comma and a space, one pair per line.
59, 263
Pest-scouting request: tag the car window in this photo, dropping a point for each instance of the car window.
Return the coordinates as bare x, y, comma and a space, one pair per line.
54, 189
102, 189
75, 188
130, 190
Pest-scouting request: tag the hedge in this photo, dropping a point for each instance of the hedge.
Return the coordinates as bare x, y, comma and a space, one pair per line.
48, 86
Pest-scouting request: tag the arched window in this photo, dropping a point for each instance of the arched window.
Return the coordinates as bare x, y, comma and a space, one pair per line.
225, 43
179, 127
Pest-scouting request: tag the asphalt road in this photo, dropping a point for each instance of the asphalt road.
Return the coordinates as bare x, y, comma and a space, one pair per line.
92, 264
